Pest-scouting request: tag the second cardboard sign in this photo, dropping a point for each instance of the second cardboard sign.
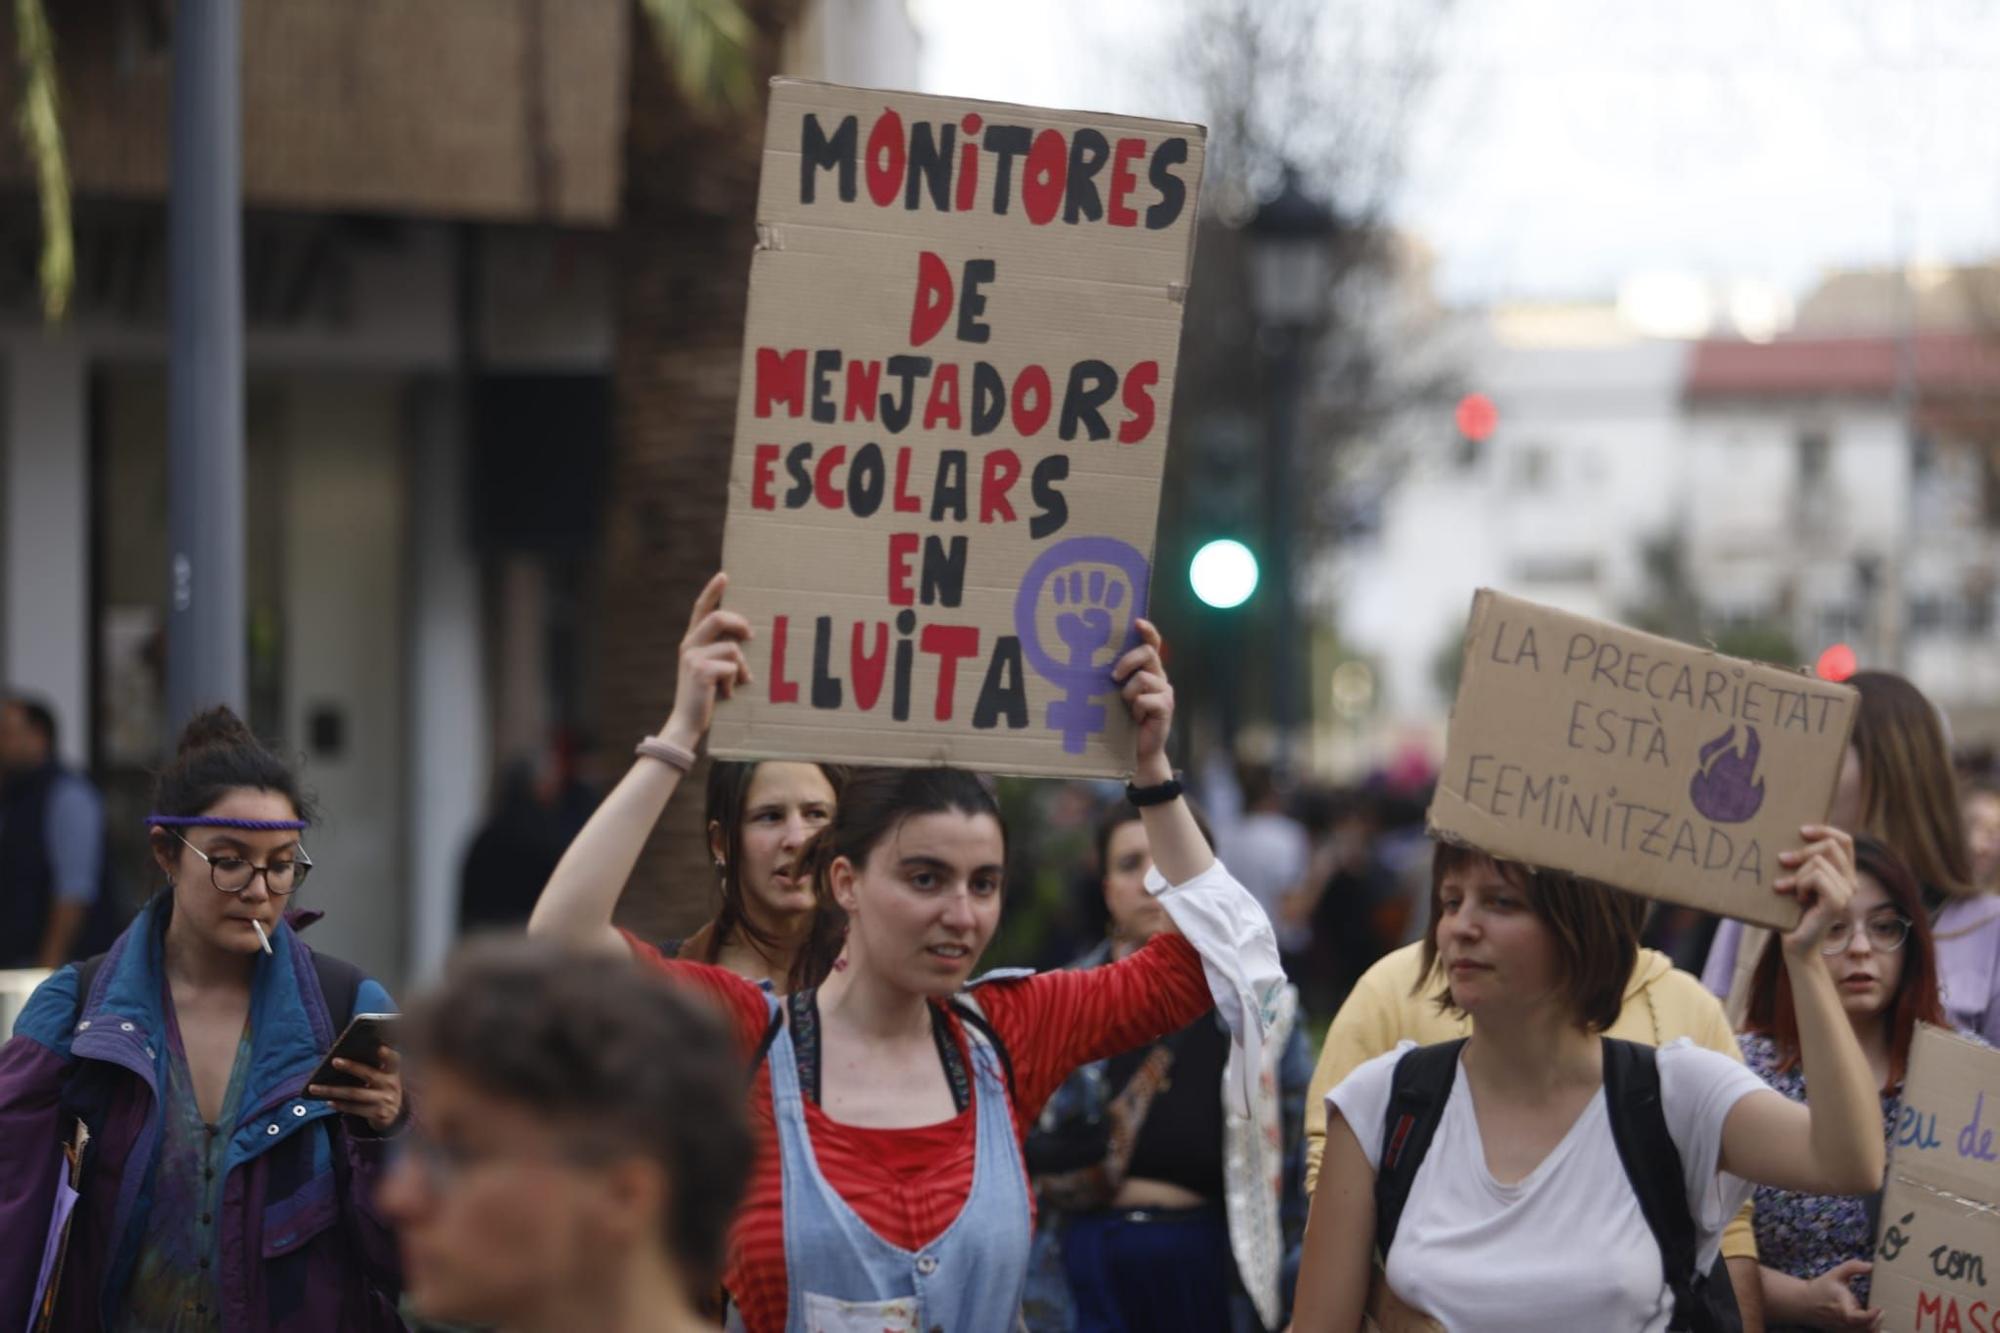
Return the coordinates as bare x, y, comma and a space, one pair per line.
1650, 765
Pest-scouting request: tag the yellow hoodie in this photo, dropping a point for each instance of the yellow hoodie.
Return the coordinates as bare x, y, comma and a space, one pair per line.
1661, 1003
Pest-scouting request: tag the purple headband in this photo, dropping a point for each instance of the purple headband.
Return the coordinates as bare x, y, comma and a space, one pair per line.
213, 821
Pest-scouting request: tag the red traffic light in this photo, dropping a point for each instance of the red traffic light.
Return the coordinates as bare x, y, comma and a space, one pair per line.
1477, 417
1836, 663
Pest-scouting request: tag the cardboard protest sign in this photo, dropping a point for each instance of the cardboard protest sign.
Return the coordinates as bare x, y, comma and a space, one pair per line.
1657, 767
1940, 1230
963, 329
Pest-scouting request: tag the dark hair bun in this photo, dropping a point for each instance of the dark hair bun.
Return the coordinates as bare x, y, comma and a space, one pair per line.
213, 727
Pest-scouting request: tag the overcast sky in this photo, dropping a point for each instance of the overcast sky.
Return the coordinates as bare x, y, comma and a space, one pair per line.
1567, 145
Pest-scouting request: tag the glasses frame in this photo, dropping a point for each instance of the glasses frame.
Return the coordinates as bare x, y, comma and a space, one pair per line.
301, 868
1833, 949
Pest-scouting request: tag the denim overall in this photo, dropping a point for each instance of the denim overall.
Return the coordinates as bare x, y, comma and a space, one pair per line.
843, 1278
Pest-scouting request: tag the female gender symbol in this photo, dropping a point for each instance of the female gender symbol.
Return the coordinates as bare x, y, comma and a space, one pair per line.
1072, 573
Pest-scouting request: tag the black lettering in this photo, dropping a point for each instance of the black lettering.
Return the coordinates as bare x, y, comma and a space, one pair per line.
989, 398
1091, 386
943, 581
948, 492
826, 364
1002, 694
1173, 194
866, 480
1054, 506
795, 467
930, 165
816, 150
1088, 151
972, 301
1005, 142
825, 685
896, 410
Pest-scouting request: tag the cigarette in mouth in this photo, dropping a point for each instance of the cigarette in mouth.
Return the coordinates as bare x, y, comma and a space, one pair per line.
262, 939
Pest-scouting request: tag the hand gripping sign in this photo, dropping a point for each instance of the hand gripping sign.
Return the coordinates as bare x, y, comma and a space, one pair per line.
963, 328
1650, 765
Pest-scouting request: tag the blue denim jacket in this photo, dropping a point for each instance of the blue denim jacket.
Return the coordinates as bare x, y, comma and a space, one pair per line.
303, 1250
1082, 1099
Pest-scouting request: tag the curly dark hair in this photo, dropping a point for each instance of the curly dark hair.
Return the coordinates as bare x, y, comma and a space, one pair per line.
567, 1036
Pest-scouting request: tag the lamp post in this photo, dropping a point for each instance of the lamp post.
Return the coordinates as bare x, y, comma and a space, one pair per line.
205, 648
1291, 273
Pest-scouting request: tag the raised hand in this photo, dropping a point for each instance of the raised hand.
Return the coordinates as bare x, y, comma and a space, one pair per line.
1149, 697
1821, 876
712, 665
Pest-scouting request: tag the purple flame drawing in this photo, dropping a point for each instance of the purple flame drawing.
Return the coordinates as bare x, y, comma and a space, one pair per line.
1722, 789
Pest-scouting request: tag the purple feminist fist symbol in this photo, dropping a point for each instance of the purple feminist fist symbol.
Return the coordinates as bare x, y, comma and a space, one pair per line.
1722, 789
1094, 581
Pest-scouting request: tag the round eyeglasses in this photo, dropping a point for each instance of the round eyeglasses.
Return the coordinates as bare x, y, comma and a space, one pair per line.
1885, 935
232, 874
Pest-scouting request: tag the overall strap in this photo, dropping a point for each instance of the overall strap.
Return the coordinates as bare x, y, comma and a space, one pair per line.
968, 1011
1653, 1165
1418, 1092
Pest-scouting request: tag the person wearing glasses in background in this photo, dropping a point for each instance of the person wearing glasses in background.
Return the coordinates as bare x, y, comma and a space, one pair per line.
164, 1082
1815, 1248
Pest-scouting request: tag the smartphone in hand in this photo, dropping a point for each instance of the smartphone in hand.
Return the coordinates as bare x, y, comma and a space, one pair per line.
361, 1042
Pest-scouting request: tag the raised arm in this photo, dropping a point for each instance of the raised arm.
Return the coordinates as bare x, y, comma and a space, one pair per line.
1834, 1144
576, 905
1179, 851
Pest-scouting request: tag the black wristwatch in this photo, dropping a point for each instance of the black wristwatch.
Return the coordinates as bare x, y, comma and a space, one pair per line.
1160, 795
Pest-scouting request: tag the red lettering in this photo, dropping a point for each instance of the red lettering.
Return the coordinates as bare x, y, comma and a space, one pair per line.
782, 691
1002, 470
1123, 181
865, 669
864, 382
781, 379
885, 159
1975, 1315
766, 459
902, 550
825, 490
948, 643
942, 405
934, 294
905, 503
1139, 382
968, 168
1030, 417
1046, 177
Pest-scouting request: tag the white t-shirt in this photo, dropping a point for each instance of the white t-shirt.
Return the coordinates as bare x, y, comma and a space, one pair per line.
1565, 1247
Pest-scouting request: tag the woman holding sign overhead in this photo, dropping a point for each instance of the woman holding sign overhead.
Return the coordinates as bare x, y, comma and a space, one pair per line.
889, 1100
1503, 1176
761, 817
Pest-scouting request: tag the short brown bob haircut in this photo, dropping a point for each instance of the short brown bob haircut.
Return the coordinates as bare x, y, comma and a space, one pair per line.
1596, 929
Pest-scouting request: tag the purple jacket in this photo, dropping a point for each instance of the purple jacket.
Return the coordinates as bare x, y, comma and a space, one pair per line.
303, 1250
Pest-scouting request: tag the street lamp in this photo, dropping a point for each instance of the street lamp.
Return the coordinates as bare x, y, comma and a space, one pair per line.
1291, 276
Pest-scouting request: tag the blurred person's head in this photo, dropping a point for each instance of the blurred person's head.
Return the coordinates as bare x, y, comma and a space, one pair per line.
1882, 958
1126, 855
1510, 941
230, 816
1982, 834
582, 1139
27, 734
762, 817
1260, 788
908, 879
1898, 783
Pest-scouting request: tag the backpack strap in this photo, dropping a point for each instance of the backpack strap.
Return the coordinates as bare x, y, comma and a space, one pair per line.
339, 985
1418, 1092
1653, 1165
969, 1011
86, 976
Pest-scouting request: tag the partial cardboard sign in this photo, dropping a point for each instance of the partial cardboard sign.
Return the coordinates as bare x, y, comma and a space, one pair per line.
1937, 1259
1651, 765
963, 332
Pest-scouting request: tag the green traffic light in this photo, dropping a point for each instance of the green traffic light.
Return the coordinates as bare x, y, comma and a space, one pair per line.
1223, 574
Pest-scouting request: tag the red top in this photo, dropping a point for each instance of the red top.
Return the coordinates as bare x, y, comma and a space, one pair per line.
908, 1184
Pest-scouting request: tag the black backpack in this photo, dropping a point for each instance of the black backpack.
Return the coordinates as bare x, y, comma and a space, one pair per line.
1703, 1302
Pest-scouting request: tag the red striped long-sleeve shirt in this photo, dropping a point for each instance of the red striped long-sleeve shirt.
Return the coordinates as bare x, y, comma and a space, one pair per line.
908, 1184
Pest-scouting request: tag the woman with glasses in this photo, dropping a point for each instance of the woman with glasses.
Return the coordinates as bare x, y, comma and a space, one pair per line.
1815, 1248
163, 1163
583, 1147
